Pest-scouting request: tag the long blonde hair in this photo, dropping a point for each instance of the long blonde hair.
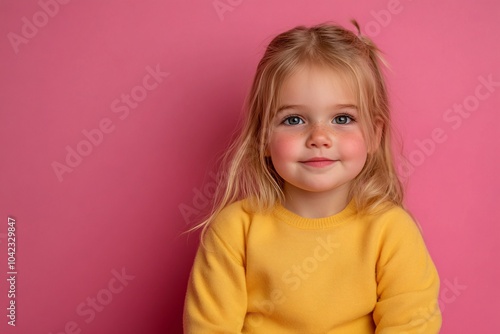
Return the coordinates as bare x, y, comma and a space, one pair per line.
249, 174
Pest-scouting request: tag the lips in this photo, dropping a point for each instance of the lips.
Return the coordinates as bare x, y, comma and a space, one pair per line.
318, 162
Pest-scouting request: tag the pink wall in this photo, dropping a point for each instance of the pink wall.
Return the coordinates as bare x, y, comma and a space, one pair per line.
99, 244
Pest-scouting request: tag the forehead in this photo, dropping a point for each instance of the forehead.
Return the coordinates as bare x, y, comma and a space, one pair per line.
316, 85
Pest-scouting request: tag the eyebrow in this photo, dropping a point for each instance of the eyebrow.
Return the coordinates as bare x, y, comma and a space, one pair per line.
299, 106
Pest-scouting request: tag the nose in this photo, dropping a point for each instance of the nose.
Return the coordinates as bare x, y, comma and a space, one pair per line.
319, 137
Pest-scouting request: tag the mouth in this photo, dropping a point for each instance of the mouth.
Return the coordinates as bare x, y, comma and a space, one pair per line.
318, 162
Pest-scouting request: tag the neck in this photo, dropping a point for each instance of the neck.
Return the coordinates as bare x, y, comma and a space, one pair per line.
315, 204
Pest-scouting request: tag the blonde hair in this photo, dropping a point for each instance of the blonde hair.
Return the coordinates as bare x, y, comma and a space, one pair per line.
249, 174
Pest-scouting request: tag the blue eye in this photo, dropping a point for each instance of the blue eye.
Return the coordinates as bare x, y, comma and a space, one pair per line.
342, 119
293, 120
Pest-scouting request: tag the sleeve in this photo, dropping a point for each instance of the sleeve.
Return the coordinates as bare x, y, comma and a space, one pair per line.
407, 280
216, 299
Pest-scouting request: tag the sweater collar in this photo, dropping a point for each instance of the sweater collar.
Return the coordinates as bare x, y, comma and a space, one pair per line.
293, 219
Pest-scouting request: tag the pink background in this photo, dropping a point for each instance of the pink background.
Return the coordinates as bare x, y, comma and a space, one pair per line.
119, 209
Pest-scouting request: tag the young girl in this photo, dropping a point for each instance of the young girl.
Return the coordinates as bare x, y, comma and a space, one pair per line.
308, 234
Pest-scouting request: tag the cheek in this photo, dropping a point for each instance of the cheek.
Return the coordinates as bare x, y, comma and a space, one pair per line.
353, 146
283, 146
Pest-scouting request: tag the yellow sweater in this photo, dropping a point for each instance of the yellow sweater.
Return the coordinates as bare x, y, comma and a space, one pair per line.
283, 273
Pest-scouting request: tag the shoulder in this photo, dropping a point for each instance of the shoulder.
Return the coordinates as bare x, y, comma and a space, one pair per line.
397, 235
229, 229
393, 214
395, 222
233, 219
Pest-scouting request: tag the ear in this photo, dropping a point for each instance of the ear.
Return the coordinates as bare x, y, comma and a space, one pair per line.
267, 153
379, 130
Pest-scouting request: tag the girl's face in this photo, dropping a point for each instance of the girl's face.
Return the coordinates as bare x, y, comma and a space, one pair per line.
316, 142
